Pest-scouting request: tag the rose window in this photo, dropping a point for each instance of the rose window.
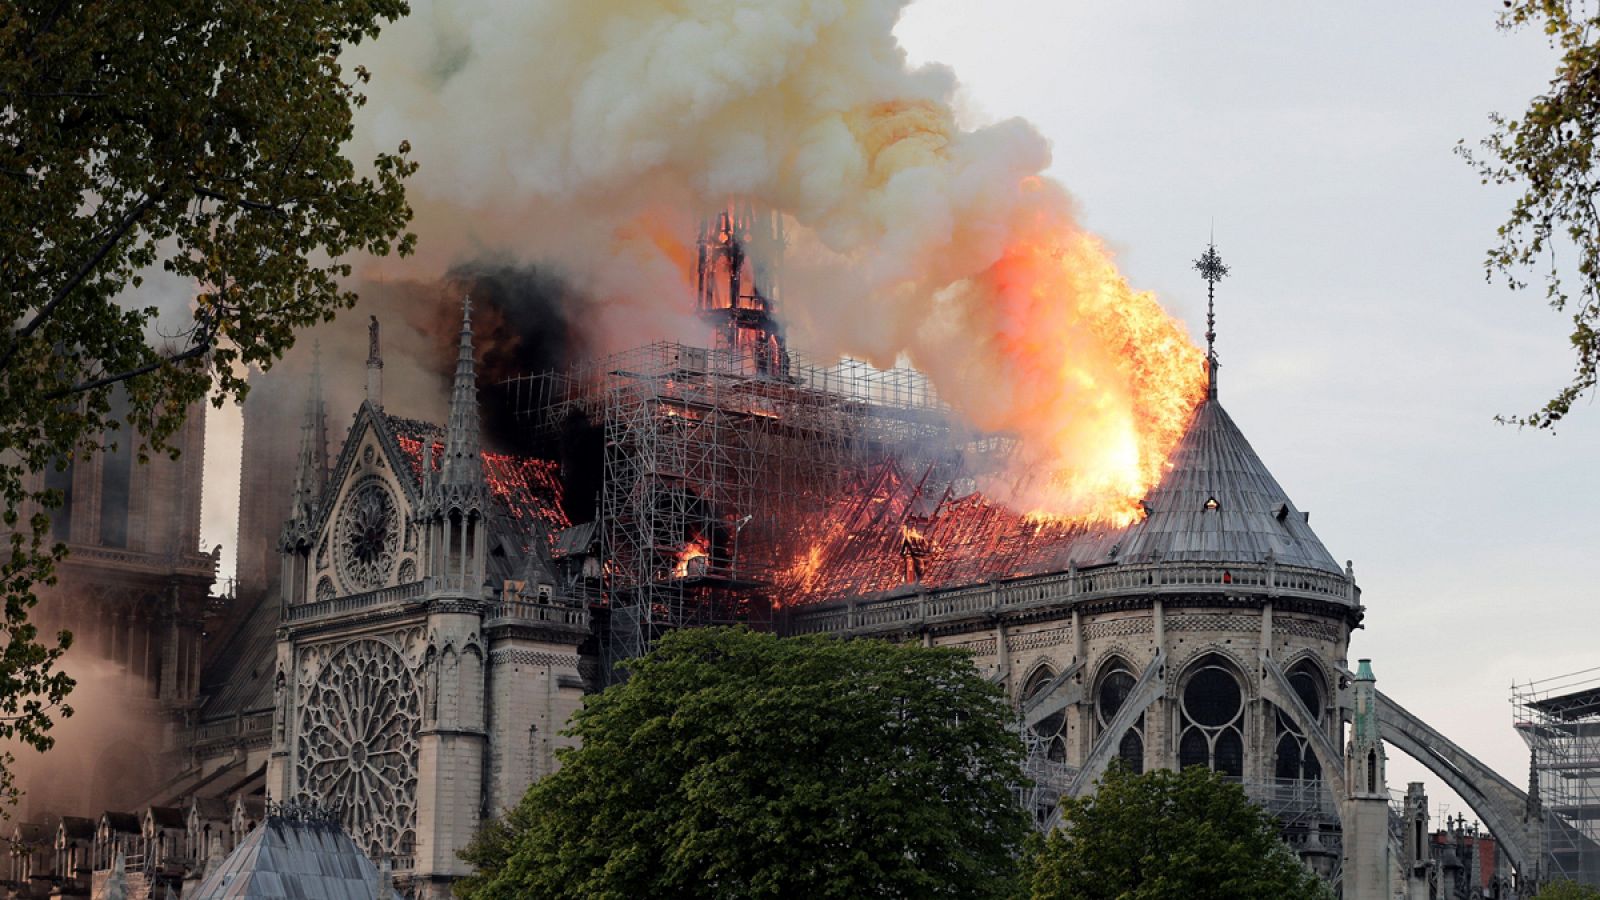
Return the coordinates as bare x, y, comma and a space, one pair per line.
357, 747
367, 535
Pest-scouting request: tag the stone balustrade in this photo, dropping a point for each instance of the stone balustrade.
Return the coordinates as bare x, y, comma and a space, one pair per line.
339, 606
1068, 588
504, 612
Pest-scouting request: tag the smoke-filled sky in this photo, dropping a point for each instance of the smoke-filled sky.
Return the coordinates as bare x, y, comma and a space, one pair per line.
1363, 353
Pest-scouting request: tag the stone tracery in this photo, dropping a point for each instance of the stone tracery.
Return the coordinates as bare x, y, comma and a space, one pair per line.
358, 744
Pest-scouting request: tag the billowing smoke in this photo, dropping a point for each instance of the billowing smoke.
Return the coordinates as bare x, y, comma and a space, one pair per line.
596, 132
105, 754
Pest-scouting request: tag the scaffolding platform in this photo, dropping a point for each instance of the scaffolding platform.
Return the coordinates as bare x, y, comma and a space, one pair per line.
711, 458
1559, 719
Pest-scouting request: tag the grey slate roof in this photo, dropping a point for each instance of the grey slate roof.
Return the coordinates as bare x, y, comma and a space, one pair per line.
292, 858
1253, 516
239, 679
77, 828
126, 823
166, 816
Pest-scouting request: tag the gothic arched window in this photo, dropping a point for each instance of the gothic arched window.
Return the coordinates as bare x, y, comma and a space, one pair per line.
1112, 691
1052, 730
1211, 731
1294, 758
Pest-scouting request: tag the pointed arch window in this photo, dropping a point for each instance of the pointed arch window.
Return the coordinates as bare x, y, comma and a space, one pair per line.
1294, 759
1211, 713
1112, 691
1050, 733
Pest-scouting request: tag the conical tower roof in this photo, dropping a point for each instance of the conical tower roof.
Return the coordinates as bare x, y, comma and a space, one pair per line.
1219, 503
462, 463
459, 482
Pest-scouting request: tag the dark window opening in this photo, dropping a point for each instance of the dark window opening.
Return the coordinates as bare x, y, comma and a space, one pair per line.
60, 479
1131, 751
116, 476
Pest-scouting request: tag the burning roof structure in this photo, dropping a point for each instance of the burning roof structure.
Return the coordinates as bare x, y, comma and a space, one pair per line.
527, 492
1216, 503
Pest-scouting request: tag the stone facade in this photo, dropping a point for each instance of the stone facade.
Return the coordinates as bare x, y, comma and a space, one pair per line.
427, 657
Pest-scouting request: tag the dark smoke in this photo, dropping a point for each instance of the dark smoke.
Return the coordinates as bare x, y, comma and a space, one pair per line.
526, 320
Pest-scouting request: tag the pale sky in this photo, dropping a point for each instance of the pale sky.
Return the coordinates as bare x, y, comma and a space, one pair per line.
1363, 354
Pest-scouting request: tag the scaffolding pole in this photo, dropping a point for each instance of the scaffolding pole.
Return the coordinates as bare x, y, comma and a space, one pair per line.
710, 460
1559, 719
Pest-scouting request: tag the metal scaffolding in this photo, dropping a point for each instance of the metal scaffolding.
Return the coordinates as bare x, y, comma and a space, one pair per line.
1559, 718
710, 456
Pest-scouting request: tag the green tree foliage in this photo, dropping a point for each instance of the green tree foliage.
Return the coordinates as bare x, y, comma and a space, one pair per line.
1550, 154
1568, 890
1169, 835
735, 764
201, 138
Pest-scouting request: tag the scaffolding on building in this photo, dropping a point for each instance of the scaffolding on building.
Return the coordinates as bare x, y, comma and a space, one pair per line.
711, 455
1559, 719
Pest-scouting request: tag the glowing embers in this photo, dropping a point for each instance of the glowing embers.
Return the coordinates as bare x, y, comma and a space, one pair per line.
526, 489
884, 530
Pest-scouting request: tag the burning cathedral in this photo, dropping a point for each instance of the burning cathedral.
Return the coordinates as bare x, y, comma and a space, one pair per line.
440, 609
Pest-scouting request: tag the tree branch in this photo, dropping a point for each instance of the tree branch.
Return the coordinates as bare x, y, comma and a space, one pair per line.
199, 349
83, 271
273, 208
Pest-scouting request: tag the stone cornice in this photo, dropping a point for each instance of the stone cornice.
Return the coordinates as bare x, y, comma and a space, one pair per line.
1112, 589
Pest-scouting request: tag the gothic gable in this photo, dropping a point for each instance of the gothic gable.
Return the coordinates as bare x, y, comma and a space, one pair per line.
365, 539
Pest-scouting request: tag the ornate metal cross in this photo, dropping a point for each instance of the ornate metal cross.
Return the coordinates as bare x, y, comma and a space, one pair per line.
1212, 270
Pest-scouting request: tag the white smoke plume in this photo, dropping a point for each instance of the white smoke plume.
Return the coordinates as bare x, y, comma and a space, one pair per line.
595, 133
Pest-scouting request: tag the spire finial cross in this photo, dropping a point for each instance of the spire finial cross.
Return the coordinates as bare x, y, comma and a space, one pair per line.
1212, 269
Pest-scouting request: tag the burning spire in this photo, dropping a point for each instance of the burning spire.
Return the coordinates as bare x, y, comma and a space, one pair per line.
1210, 267
740, 248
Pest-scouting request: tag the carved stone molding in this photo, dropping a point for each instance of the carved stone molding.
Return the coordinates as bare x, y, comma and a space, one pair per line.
532, 658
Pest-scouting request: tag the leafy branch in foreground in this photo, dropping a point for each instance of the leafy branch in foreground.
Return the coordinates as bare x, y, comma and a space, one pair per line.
200, 140
1550, 154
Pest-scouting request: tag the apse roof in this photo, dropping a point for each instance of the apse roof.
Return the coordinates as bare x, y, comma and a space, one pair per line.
1219, 503
294, 858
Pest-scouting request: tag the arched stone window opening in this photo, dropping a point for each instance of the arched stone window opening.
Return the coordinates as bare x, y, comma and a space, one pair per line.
1113, 690
1050, 732
1294, 758
1211, 720
1372, 771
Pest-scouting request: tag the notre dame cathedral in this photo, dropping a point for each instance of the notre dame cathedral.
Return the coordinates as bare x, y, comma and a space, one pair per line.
418, 616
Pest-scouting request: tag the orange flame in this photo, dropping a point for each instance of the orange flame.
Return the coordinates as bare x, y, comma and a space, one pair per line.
693, 559
1099, 381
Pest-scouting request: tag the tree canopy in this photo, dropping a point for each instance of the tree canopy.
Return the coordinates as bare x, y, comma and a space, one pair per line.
1567, 890
1168, 835
197, 139
735, 764
1550, 154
